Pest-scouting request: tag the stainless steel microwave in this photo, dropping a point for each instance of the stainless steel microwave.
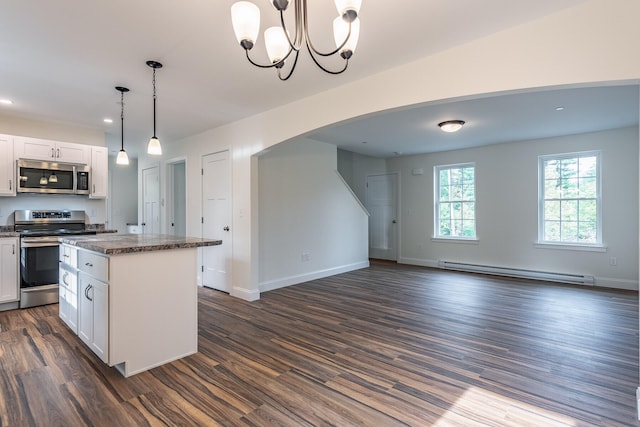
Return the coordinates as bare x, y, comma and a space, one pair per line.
52, 177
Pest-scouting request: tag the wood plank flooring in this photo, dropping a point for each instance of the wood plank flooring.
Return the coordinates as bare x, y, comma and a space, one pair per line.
384, 346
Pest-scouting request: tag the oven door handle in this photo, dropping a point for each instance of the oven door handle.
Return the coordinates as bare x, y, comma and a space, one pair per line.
38, 244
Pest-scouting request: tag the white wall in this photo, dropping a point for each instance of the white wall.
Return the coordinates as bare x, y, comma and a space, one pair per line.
581, 45
507, 208
311, 225
355, 168
95, 209
123, 194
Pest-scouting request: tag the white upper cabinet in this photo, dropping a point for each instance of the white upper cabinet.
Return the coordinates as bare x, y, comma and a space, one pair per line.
7, 167
47, 150
99, 172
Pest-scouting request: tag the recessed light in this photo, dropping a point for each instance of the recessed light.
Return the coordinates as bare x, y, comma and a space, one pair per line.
108, 120
364, 142
451, 125
6, 101
559, 108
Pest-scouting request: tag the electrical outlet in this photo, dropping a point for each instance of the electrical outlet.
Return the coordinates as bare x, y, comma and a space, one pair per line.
613, 261
305, 257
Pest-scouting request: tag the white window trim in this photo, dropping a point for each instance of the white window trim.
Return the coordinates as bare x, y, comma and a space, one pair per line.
436, 204
598, 246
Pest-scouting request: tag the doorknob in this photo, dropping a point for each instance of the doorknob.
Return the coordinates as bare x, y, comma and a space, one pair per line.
226, 228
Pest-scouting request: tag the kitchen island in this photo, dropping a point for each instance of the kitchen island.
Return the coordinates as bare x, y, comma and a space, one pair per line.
132, 298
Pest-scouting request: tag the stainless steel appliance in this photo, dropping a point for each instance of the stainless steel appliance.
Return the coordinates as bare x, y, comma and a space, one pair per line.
39, 254
52, 177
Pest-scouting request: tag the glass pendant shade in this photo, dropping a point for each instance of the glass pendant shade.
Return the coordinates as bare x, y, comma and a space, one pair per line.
53, 178
122, 158
154, 147
43, 180
340, 31
277, 44
344, 5
245, 17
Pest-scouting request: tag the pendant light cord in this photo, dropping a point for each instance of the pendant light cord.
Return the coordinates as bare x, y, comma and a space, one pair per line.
154, 102
122, 120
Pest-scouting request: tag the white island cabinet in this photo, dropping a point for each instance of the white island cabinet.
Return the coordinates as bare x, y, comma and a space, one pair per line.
137, 297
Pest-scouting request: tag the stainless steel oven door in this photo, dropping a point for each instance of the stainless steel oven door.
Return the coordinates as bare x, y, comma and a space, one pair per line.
38, 271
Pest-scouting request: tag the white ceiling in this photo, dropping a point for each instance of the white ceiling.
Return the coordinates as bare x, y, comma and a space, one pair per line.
60, 61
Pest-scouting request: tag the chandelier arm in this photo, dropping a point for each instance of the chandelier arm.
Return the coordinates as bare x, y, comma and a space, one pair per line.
293, 67
309, 43
310, 46
270, 65
296, 44
326, 70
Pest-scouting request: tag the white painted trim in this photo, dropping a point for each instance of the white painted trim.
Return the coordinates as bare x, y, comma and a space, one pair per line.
245, 294
348, 187
610, 282
638, 401
601, 282
301, 278
433, 263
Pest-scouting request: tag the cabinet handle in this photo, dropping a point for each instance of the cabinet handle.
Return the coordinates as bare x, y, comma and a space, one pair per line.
88, 264
53, 153
58, 153
10, 185
86, 292
13, 249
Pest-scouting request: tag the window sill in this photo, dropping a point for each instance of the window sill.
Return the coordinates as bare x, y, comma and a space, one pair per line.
570, 247
460, 240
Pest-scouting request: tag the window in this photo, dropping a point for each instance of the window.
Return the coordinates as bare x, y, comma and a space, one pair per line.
569, 199
455, 207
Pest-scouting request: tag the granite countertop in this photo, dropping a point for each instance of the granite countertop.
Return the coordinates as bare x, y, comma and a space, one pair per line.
117, 244
9, 234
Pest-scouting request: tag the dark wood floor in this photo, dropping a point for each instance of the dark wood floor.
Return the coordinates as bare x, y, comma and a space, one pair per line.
383, 346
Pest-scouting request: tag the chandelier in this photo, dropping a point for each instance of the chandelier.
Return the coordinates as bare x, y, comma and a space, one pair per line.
281, 47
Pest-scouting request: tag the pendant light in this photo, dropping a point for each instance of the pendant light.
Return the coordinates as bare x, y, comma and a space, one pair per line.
122, 158
53, 177
154, 147
43, 180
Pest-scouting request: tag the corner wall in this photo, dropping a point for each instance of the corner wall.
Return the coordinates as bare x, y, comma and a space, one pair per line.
310, 223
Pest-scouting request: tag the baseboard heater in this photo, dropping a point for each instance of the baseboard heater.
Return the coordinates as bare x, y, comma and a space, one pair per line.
517, 272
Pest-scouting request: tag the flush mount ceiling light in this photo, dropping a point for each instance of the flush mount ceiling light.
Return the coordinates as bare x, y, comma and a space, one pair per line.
122, 158
451, 125
245, 17
154, 147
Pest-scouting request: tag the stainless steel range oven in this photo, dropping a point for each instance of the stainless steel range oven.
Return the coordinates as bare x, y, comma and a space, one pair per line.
39, 231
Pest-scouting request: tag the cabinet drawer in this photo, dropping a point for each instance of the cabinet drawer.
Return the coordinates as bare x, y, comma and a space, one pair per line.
69, 256
93, 264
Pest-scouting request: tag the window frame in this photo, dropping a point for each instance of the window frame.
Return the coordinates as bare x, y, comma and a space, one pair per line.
541, 200
436, 224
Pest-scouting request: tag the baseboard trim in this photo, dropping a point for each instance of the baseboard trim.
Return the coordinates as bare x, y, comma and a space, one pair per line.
319, 274
245, 294
419, 262
603, 282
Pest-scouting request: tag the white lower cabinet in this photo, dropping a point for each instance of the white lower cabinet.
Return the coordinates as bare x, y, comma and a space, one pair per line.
68, 297
93, 311
9, 267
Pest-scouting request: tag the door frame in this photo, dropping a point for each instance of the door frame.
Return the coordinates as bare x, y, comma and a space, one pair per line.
397, 201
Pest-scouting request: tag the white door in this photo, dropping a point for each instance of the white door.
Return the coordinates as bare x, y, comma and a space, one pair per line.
382, 203
150, 200
216, 220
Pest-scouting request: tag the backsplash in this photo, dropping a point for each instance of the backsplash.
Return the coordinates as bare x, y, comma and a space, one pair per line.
94, 208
